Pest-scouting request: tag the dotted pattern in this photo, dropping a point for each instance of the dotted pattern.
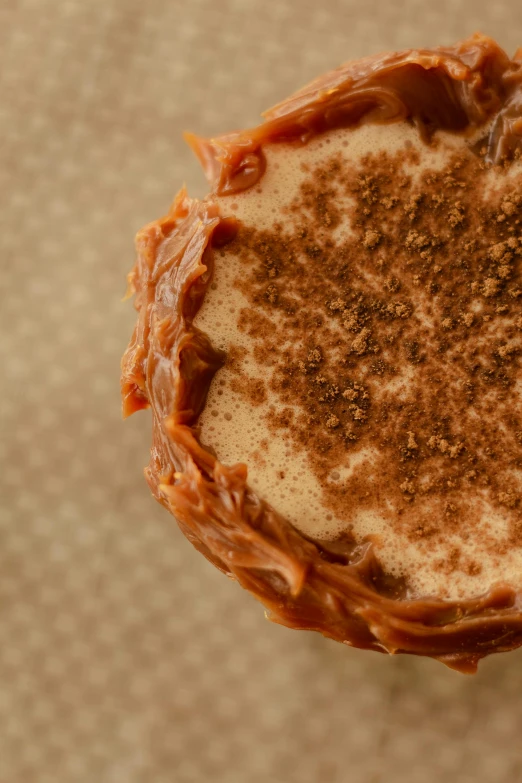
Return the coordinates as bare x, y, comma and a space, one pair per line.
124, 656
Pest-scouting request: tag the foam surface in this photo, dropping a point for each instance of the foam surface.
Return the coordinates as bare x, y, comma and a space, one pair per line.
237, 430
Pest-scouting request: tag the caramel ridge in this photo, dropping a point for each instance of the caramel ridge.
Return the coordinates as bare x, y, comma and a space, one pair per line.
457, 88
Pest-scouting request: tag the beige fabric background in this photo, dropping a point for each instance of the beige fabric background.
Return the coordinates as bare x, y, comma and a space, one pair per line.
124, 656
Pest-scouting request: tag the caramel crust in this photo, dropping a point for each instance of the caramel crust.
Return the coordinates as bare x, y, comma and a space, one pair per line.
454, 88
169, 364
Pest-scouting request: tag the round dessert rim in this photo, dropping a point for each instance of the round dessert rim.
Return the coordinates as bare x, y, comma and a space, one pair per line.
169, 365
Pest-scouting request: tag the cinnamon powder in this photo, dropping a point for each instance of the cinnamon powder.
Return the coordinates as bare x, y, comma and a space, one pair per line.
425, 289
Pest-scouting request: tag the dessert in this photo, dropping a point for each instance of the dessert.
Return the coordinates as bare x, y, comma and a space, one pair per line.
330, 344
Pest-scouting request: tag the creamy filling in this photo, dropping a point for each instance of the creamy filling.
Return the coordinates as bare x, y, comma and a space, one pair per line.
244, 418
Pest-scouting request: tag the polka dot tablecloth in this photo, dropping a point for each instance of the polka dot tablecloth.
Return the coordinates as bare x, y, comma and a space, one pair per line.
124, 656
